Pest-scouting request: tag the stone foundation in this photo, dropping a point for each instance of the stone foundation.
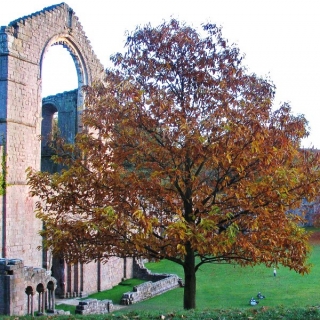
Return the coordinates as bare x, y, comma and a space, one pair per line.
25, 290
157, 283
94, 306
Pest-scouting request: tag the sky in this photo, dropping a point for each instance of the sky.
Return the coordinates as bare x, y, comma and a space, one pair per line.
280, 40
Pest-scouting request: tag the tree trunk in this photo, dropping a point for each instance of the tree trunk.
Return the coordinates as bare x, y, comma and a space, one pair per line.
189, 298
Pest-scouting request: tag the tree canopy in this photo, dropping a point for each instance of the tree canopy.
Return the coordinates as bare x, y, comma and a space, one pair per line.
183, 157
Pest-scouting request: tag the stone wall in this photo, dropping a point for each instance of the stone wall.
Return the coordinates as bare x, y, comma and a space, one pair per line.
150, 289
80, 280
103, 276
63, 108
65, 104
94, 306
156, 284
23, 46
25, 290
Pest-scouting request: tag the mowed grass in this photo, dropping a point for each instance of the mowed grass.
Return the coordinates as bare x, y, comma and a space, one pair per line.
115, 294
230, 286
225, 286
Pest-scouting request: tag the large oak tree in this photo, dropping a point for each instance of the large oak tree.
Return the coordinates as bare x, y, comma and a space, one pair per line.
183, 157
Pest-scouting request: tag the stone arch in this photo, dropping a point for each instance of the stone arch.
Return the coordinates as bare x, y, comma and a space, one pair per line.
49, 131
79, 59
48, 112
40, 287
29, 292
41, 298
84, 76
23, 45
51, 286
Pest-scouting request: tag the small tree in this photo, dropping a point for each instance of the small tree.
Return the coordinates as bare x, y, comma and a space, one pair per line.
182, 159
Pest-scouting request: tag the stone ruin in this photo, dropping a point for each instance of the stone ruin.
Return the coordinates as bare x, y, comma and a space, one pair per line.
157, 283
23, 46
94, 306
24, 116
31, 278
25, 290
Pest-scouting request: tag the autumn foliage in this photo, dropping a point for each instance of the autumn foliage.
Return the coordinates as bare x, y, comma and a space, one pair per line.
183, 158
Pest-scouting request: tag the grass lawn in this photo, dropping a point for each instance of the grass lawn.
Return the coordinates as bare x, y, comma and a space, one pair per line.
224, 286
116, 293
228, 286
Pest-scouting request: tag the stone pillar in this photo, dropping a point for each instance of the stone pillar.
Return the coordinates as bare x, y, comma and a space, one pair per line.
12, 293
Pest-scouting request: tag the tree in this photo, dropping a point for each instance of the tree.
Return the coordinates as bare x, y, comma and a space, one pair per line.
183, 158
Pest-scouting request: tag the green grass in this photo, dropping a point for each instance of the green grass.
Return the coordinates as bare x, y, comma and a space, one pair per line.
115, 294
309, 313
224, 288
66, 307
229, 286
223, 292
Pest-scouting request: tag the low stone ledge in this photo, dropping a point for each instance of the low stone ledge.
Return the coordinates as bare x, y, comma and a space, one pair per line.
94, 306
147, 290
61, 312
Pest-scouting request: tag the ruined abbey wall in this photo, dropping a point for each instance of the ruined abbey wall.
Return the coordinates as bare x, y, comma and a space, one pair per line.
64, 106
79, 280
24, 116
25, 290
23, 45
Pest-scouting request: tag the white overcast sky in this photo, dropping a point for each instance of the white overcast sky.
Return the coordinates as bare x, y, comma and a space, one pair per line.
280, 38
